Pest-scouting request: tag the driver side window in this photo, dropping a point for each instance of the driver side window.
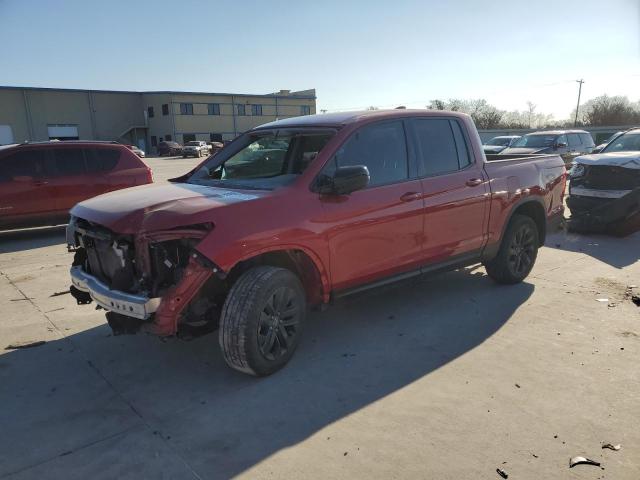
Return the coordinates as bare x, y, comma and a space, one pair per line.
381, 148
562, 139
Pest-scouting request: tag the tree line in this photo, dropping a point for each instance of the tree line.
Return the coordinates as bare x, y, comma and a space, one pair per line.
599, 111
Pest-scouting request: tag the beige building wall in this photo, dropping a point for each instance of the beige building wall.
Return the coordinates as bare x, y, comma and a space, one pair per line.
123, 116
116, 114
14, 113
160, 125
55, 107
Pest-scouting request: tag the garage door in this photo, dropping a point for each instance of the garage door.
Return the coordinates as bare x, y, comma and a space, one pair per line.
6, 135
63, 132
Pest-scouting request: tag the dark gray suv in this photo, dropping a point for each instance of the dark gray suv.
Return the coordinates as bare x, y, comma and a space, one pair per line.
566, 143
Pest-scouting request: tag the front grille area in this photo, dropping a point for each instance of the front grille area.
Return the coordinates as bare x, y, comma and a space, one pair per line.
605, 177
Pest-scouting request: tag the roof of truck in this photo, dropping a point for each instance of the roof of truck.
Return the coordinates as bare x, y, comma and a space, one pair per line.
344, 118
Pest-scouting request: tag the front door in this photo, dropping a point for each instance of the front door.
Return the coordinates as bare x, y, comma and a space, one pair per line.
455, 189
375, 232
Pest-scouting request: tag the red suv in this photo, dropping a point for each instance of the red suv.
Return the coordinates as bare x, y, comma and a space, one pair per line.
40, 182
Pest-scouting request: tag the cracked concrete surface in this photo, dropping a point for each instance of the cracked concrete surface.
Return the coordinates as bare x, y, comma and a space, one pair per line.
412, 381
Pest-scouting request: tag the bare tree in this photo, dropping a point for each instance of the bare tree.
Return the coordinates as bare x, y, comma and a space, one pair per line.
532, 108
606, 110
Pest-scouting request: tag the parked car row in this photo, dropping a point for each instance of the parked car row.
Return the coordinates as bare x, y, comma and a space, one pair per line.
566, 143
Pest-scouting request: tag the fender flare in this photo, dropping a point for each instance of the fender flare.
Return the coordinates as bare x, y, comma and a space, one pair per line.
315, 258
491, 251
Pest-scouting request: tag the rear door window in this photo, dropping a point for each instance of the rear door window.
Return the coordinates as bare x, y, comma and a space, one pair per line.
438, 150
574, 140
587, 140
68, 161
101, 159
382, 148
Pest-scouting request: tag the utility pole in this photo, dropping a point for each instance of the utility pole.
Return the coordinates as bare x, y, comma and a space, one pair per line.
575, 122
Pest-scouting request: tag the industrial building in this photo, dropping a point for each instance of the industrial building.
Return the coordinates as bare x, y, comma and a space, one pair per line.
140, 118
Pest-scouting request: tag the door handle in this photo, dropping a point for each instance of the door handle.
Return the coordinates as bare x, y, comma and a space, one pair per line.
39, 183
410, 196
473, 182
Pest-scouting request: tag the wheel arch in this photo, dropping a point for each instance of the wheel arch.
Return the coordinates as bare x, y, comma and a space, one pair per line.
301, 261
530, 207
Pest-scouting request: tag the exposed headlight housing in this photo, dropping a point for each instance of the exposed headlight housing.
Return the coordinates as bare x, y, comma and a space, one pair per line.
577, 170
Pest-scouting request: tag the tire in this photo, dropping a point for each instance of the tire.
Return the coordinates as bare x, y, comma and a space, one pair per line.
518, 252
262, 320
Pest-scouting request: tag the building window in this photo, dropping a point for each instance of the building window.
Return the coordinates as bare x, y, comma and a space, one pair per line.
240, 110
188, 137
167, 138
186, 109
213, 109
150, 112
256, 110
305, 110
215, 137
154, 141
165, 109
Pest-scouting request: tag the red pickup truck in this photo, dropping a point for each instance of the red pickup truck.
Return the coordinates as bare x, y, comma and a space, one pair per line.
300, 211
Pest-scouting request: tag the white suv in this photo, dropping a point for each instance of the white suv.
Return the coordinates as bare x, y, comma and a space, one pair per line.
195, 149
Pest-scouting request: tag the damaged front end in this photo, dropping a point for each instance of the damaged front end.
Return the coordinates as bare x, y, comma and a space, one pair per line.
604, 199
154, 281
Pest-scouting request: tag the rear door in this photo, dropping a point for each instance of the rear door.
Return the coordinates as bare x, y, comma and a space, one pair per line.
455, 189
375, 232
70, 182
25, 196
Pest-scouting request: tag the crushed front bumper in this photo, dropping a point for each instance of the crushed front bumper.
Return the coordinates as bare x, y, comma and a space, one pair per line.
136, 306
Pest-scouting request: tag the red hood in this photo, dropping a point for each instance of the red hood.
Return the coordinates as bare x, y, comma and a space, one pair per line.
160, 206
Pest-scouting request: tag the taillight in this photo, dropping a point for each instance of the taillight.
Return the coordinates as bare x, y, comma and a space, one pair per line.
149, 175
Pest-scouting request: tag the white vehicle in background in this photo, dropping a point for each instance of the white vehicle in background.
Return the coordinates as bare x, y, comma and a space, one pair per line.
195, 149
497, 144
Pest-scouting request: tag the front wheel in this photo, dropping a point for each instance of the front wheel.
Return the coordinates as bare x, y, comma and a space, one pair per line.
262, 320
518, 251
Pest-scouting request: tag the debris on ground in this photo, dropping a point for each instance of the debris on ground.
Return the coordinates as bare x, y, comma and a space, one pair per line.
57, 294
26, 344
636, 300
602, 300
517, 386
612, 447
582, 461
502, 473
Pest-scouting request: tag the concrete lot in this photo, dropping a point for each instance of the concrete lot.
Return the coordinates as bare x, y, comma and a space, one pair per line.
448, 377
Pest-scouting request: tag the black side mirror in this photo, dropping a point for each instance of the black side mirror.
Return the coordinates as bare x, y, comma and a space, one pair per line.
344, 181
561, 145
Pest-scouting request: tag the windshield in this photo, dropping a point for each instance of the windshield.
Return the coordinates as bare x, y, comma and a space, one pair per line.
267, 161
193, 144
535, 141
499, 141
629, 142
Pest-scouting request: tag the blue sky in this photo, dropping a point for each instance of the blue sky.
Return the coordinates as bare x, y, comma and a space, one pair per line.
355, 53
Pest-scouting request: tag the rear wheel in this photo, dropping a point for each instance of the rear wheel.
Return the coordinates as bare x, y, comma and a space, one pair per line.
262, 320
518, 251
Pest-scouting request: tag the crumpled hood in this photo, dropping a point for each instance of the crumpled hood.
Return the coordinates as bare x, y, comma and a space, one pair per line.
613, 159
525, 150
159, 206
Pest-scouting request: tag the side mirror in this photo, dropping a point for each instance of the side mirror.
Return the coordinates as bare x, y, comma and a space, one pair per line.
561, 145
345, 180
